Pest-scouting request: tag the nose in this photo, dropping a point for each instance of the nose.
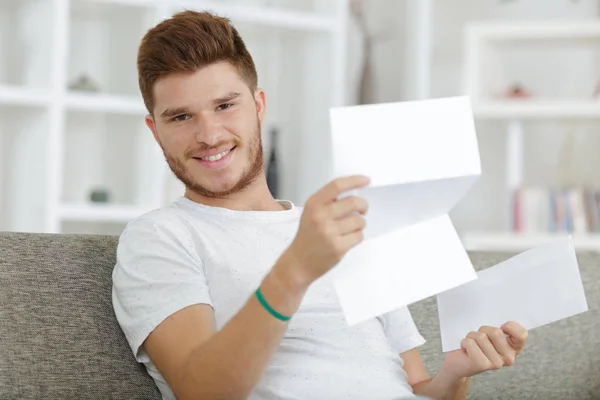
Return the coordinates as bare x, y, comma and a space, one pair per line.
208, 130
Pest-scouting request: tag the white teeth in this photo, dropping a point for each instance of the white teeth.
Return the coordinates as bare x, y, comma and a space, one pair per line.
215, 157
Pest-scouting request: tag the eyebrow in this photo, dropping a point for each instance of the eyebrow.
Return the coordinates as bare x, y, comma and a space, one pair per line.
228, 97
172, 112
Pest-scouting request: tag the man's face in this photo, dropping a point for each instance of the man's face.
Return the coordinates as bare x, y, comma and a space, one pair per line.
208, 126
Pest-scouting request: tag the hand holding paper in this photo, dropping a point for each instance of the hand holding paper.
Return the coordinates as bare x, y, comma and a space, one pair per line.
534, 288
489, 348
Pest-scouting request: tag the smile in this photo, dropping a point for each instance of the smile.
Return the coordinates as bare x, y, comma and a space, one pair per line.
215, 157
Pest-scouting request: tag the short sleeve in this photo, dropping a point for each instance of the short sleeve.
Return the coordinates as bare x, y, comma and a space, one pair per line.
156, 274
401, 330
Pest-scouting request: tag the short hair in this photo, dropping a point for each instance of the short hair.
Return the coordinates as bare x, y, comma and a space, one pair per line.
187, 42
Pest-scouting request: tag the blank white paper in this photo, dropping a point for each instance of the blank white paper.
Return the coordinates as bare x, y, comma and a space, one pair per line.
422, 158
400, 268
534, 288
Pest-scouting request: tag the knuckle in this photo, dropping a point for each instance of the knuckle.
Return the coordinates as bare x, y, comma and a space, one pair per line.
362, 222
360, 236
337, 185
497, 364
497, 333
480, 336
510, 360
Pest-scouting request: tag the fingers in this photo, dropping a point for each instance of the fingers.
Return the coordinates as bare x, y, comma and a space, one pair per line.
484, 343
352, 239
335, 188
478, 360
351, 224
348, 205
500, 342
517, 335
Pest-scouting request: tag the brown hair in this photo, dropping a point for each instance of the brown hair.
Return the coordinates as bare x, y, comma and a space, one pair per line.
186, 42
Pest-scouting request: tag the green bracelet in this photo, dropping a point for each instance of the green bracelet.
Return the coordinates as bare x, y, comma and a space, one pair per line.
267, 307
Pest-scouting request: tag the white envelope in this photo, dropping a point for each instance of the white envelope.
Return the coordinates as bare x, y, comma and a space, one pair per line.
422, 158
534, 288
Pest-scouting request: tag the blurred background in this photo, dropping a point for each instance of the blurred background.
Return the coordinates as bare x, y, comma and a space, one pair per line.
76, 157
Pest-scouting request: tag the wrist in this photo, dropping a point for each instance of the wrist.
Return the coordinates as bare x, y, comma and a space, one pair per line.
448, 378
289, 273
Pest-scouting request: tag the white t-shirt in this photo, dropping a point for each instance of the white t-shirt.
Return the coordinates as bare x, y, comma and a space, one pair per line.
187, 253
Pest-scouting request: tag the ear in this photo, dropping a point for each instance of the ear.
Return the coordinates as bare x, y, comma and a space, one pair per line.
260, 98
152, 126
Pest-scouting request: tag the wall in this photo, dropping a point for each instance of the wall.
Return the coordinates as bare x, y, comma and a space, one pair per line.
556, 152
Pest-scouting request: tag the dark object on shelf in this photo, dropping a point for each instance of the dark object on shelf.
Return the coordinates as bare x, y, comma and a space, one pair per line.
99, 196
84, 84
273, 166
516, 91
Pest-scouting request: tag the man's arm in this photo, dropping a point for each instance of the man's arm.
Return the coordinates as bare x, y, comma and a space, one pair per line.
437, 387
200, 363
489, 348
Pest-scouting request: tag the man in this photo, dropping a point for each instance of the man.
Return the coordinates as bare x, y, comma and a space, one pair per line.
223, 294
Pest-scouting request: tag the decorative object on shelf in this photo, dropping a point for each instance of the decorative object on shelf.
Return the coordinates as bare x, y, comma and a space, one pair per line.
84, 84
100, 196
366, 91
273, 166
517, 91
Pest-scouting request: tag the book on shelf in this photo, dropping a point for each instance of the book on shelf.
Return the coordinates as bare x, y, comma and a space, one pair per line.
556, 210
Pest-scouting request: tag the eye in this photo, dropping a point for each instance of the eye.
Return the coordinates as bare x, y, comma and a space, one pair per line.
181, 117
225, 106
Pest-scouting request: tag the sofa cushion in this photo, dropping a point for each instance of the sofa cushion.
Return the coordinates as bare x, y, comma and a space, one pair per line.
560, 360
60, 339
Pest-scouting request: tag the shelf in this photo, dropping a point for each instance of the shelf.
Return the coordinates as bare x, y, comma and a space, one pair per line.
536, 30
132, 105
15, 95
268, 16
482, 241
582, 109
100, 212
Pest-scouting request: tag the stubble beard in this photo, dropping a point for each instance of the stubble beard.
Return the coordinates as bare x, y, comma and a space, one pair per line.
253, 170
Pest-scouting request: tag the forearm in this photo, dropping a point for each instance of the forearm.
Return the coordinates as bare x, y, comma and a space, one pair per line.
442, 387
230, 364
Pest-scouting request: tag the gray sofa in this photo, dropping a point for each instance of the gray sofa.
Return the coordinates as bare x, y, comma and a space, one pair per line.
59, 338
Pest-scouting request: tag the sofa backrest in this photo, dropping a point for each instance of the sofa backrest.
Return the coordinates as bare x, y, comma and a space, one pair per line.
59, 338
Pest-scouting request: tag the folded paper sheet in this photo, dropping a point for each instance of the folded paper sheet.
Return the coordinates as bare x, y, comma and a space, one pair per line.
422, 158
534, 288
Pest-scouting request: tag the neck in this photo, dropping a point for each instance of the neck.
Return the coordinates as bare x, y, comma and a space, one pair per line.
255, 197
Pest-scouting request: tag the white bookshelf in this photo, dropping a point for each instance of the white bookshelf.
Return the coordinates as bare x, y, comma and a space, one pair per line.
484, 43
58, 144
100, 212
487, 241
15, 95
104, 103
537, 109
